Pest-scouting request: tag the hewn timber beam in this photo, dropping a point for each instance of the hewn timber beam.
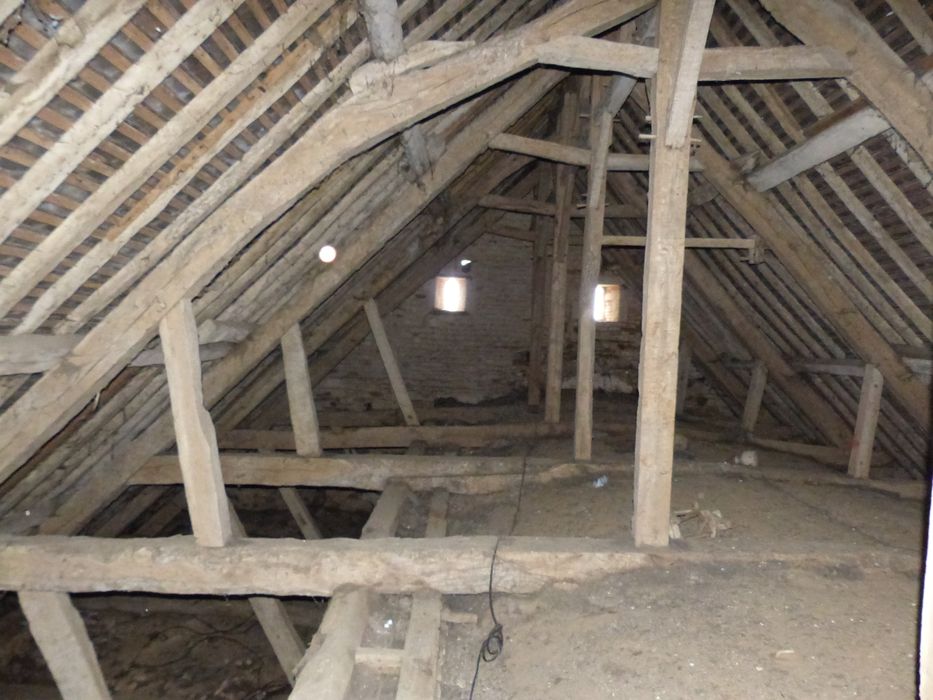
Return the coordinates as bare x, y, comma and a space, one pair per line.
557, 282
866, 423
393, 436
390, 362
327, 667
61, 636
194, 430
572, 155
384, 27
852, 367
284, 567
600, 140
746, 63
29, 354
682, 30
815, 274
45, 408
717, 243
851, 126
535, 207
877, 71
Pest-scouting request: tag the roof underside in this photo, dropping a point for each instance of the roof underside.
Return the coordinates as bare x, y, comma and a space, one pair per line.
120, 165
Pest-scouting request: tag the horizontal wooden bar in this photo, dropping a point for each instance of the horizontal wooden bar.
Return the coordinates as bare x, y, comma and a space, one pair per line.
641, 242
285, 567
395, 436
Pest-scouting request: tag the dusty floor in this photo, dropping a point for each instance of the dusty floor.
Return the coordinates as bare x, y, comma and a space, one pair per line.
759, 630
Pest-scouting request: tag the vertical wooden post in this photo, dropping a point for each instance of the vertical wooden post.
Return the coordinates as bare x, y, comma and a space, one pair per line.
863, 439
683, 377
600, 140
538, 292
557, 313
680, 53
391, 365
194, 430
303, 416
756, 392
62, 638
417, 679
300, 397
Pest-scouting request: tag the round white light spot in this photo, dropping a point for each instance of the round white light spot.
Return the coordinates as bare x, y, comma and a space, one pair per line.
465, 262
327, 254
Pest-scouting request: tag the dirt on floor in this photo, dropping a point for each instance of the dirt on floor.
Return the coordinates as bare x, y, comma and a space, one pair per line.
759, 629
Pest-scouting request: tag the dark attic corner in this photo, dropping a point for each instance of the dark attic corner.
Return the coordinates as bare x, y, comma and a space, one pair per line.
465, 349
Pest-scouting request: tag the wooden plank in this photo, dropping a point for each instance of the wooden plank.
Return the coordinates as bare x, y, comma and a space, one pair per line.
327, 667
301, 408
831, 136
756, 392
191, 29
30, 354
878, 72
62, 638
59, 59
686, 70
390, 363
281, 567
143, 164
299, 510
664, 264
395, 436
536, 353
194, 430
384, 28
418, 674
754, 63
571, 155
717, 243
600, 141
287, 644
917, 21
326, 144
863, 438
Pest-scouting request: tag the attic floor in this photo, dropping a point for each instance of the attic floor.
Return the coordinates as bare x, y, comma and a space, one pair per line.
755, 630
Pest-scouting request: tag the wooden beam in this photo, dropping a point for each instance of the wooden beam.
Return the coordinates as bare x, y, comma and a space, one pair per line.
301, 408
756, 392
327, 143
680, 24
29, 354
327, 667
62, 638
384, 28
831, 136
600, 141
132, 87
719, 243
418, 674
390, 363
863, 438
287, 644
282, 567
389, 436
557, 296
877, 71
686, 70
194, 430
572, 155
536, 341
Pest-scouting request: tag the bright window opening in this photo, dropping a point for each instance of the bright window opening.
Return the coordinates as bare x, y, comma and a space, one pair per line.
450, 294
607, 301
